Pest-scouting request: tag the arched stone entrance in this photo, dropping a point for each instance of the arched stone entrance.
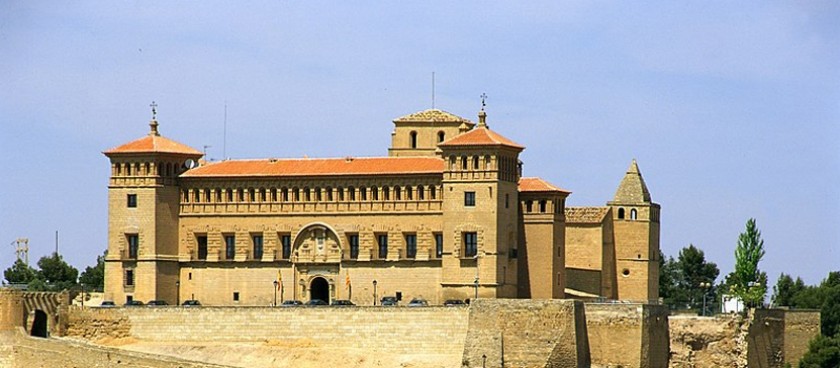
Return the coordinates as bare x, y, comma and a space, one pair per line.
319, 288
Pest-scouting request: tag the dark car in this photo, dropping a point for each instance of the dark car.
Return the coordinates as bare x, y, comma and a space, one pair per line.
191, 303
316, 302
291, 303
342, 302
155, 303
454, 303
133, 303
108, 304
417, 302
389, 301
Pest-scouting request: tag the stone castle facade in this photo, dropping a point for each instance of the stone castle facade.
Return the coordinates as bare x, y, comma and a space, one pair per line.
446, 215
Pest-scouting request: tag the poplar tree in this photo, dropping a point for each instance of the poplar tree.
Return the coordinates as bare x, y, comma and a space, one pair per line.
747, 281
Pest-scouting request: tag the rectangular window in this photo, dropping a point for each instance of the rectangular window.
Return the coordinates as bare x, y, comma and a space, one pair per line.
286, 242
132, 200
514, 252
133, 245
230, 247
258, 246
129, 277
410, 246
470, 244
236, 296
202, 247
469, 199
438, 245
382, 239
354, 246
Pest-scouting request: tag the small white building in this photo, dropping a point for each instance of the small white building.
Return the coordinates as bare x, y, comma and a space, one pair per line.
731, 304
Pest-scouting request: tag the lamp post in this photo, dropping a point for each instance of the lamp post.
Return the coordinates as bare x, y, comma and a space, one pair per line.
374, 292
177, 292
705, 286
275, 292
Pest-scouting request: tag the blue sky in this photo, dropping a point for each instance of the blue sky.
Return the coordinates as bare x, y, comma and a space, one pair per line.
731, 109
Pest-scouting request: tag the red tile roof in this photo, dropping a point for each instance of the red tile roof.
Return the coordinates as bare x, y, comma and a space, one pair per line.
538, 185
481, 136
433, 115
154, 143
586, 215
320, 167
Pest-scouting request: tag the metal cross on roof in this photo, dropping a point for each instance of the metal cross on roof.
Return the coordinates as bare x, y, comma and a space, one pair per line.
154, 110
483, 99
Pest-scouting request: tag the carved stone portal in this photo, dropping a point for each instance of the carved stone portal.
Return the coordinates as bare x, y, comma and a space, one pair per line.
317, 244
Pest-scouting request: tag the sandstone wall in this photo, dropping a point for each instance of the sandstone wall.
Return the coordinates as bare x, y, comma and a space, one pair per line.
627, 335
801, 326
526, 333
432, 330
766, 339
701, 342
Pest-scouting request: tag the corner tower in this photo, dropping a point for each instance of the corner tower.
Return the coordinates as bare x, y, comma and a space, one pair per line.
143, 207
480, 214
636, 234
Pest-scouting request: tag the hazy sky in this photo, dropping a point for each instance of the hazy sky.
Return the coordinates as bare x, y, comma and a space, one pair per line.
732, 109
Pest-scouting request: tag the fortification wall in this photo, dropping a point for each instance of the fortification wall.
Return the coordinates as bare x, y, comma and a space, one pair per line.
801, 326
702, 342
627, 335
766, 339
433, 330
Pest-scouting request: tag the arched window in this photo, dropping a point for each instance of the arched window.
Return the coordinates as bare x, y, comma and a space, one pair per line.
148, 171
463, 162
186, 196
340, 191
432, 193
219, 195
374, 193
241, 195
633, 214
329, 194
296, 194
386, 193
412, 139
409, 194
351, 192
307, 194
542, 206
262, 194
451, 163
620, 213
487, 162
229, 195
274, 194
196, 196
284, 194
441, 136
252, 195
128, 169
362, 193
397, 193
529, 206
207, 195
119, 169
420, 192
475, 162
318, 194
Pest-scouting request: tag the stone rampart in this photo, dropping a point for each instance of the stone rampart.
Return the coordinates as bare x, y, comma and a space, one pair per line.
801, 326
627, 335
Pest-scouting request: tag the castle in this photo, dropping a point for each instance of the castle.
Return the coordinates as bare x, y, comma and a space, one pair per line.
446, 215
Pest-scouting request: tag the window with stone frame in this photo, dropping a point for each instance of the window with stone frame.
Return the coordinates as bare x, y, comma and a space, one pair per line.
469, 199
230, 247
257, 241
286, 245
382, 242
410, 245
353, 239
132, 200
438, 245
133, 241
470, 244
128, 279
201, 240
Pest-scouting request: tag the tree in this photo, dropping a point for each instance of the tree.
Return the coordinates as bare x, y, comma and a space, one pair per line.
94, 277
822, 352
786, 289
747, 281
19, 273
56, 273
668, 277
681, 281
830, 312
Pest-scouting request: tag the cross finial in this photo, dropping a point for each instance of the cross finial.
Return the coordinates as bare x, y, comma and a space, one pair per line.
154, 110
483, 101
482, 116
154, 124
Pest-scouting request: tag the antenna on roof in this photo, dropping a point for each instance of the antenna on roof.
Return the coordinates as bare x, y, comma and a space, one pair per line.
433, 90
224, 135
206, 146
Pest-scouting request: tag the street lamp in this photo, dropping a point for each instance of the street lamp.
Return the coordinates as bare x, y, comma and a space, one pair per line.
275, 292
177, 292
705, 286
374, 292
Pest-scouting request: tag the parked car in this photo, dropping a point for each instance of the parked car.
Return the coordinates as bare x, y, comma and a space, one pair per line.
315, 302
389, 301
342, 302
108, 304
417, 302
454, 303
133, 303
154, 303
291, 303
191, 303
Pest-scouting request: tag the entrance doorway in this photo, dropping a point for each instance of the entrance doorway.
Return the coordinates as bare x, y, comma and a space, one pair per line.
39, 324
319, 289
